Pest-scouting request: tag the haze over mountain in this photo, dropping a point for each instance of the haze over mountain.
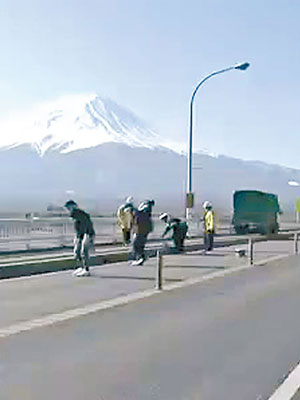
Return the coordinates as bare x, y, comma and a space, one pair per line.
98, 152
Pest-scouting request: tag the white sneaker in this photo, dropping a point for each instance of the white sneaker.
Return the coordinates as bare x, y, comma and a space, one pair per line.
140, 261
77, 271
83, 272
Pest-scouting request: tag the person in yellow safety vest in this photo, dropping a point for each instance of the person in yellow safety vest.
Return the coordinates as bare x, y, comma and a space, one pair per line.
209, 226
125, 219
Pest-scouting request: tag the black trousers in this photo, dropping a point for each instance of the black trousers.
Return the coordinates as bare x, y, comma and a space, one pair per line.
126, 235
138, 246
208, 241
178, 242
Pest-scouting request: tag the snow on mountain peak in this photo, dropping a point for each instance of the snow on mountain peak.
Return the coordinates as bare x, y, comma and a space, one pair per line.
80, 121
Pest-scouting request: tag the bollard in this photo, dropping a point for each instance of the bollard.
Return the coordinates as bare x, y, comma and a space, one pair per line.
296, 243
159, 264
250, 251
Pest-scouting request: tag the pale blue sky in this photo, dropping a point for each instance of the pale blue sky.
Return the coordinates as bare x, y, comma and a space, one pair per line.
149, 54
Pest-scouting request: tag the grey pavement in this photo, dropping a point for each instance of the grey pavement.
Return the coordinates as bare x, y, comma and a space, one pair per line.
27, 298
229, 338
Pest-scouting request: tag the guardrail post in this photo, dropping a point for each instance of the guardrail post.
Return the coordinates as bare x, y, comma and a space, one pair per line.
62, 238
29, 228
159, 265
296, 243
250, 251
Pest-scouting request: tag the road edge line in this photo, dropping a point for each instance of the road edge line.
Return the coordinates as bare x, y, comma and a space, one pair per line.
289, 386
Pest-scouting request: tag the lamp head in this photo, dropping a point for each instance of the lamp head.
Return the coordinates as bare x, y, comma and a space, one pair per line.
242, 66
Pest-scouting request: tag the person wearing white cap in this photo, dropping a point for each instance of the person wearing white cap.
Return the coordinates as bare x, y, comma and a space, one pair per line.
209, 226
179, 229
125, 219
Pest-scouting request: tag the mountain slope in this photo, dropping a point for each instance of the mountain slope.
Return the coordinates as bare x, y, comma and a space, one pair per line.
101, 177
77, 122
92, 149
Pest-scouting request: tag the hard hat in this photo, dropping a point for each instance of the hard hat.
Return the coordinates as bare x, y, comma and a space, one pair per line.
129, 200
70, 203
207, 204
163, 216
149, 202
142, 206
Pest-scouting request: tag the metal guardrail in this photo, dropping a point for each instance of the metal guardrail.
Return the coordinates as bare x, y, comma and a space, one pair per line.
252, 240
22, 234
46, 233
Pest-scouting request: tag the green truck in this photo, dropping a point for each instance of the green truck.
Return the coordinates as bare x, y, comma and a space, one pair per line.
255, 212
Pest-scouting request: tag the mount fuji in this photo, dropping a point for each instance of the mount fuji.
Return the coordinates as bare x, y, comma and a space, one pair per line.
97, 152
80, 122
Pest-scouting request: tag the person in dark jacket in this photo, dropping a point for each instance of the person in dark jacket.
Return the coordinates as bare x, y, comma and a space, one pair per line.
142, 226
179, 230
84, 238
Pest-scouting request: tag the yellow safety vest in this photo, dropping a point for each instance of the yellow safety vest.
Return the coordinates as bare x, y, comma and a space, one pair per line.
125, 218
209, 221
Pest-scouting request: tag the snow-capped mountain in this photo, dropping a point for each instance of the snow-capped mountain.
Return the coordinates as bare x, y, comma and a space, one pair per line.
76, 122
98, 152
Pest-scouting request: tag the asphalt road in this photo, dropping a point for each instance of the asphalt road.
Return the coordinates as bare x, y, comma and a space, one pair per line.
233, 338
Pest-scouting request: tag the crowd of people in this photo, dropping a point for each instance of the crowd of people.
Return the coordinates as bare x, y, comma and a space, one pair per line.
136, 224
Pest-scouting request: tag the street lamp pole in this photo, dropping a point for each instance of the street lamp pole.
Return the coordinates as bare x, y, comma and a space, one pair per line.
189, 198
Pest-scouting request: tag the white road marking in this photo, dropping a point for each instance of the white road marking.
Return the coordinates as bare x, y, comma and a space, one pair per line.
289, 387
122, 300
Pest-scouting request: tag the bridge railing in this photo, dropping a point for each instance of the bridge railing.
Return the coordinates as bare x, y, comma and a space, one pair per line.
39, 233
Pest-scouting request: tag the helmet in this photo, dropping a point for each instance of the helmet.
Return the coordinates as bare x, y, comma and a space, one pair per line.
163, 216
207, 205
70, 203
129, 200
142, 206
146, 205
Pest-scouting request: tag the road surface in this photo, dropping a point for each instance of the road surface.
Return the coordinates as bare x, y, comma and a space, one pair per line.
232, 337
